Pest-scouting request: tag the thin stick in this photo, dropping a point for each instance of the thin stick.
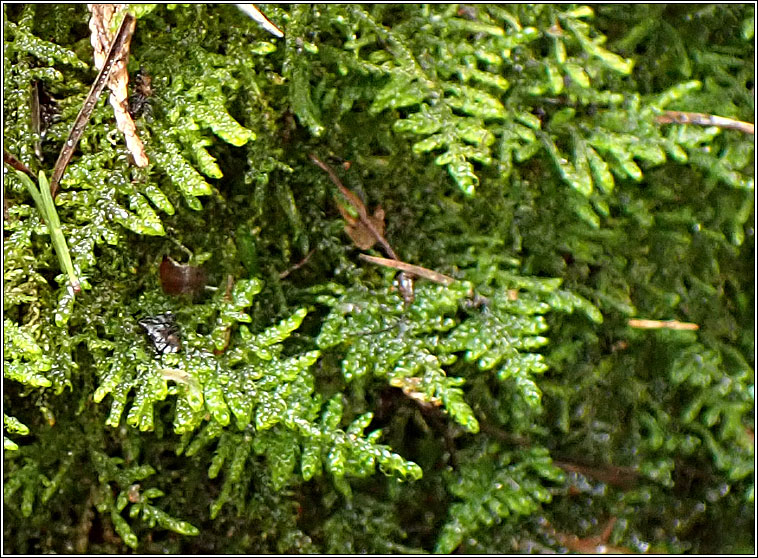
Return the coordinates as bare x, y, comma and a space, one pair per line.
9, 159
619, 476
656, 324
409, 268
298, 265
405, 281
122, 37
677, 117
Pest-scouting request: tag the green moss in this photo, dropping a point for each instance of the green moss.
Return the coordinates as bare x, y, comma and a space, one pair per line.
514, 148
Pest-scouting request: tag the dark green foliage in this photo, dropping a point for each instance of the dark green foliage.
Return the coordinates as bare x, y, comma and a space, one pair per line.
514, 148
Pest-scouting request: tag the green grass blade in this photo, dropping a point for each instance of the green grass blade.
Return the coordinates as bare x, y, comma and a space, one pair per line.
44, 201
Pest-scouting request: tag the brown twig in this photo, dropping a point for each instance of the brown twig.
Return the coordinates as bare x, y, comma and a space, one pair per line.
624, 478
409, 268
228, 330
36, 119
678, 117
620, 477
81, 532
502, 435
369, 225
298, 265
9, 159
101, 37
122, 37
657, 324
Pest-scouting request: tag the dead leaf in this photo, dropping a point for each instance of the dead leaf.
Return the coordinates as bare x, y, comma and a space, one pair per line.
358, 232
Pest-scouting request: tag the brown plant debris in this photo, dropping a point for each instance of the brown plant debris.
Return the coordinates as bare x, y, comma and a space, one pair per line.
123, 36
100, 24
678, 117
657, 324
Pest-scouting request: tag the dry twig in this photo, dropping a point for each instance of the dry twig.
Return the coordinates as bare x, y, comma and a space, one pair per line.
100, 25
624, 478
298, 265
11, 160
677, 117
122, 38
409, 268
656, 324
367, 230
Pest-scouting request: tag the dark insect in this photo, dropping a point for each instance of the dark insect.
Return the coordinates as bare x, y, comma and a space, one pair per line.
44, 113
404, 282
143, 89
162, 332
179, 279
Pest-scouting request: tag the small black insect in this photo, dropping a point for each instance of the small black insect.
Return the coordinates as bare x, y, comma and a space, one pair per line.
44, 113
162, 332
139, 103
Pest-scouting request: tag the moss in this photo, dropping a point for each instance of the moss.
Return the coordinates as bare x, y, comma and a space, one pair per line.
514, 148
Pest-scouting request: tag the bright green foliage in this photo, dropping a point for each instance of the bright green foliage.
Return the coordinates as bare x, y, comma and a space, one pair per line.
408, 349
494, 485
402, 349
13, 426
304, 406
44, 202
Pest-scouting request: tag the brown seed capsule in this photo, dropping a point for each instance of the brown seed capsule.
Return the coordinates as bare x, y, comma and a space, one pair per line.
179, 279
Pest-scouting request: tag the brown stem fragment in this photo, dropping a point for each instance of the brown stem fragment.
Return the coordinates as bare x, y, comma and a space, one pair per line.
228, 330
367, 229
11, 160
657, 324
298, 265
409, 268
701, 119
589, 545
624, 478
120, 40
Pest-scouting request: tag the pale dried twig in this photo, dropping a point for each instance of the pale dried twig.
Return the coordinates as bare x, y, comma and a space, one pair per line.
678, 117
121, 38
657, 324
409, 268
100, 24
